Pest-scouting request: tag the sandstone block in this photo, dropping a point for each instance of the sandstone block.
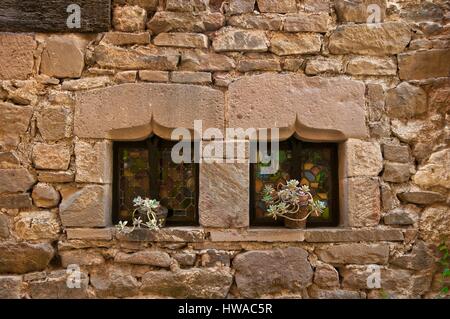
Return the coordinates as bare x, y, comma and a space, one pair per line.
295, 43
145, 257
406, 101
355, 254
125, 77
13, 122
363, 200
15, 180
241, 6
129, 18
37, 225
249, 65
359, 11
154, 76
306, 22
191, 77
419, 65
372, 66
323, 65
182, 40
10, 287
53, 123
435, 172
326, 276
396, 153
187, 6
54, 286
201, 61
89, 233
277, 6
63, 57
362, 158
15, 201
16, 54
20, 258
126, 38
434, 223
45, 196
421, 197
93, 162
240, 40
81, 257
400, 216
396, 172
54, 157
271, 22
114, 281
185, 22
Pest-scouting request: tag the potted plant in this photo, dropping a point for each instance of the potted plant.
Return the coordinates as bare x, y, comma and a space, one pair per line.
148, 213
292, 202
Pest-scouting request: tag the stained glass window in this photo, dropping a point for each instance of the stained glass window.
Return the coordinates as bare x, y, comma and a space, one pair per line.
146, 169
313, 164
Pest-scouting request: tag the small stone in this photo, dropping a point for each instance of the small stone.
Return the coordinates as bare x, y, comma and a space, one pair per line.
85, 84
154, 76
353, 235
186, 6
54, 157
129, 18
406, 101
45, 196
326, 276
114, 281
170, 234
56, 177
201, 61
16, 54
421, 197
191, 77
15, 201
375, 100
215, 258
435, 172
420, 258
272, 277
9, 160
360, 11
434, 223
126, 77
126, 38
260, 22
323, 65
145, 257
240, 40
87, 207
396, 172
305, 22
292, 64
362, 158
388, 198
81, 258
166, 21
318, 293
89, 233
382, 39
53, 123
409, 131
4, 226
419, 65
54, 286
277, 6
241, 6
372, 66
182, 40
363, 201
10, 287
63, 57
400, 216
396, 153
93, 162
15, 180
249, 65
13, 122
20, 258
185, 258
295, 43
37, 225
355, 254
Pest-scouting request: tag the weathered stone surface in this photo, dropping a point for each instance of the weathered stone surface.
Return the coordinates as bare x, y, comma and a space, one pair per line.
15, 180
288, 100
363, 201
241, 6
185, 22
406, 101
10, 287
353, 235
63, 57
304, 22
13, 122
87, 207
154, 76
223, 195
191, 77
272, 275
323, 65
435, 172
55, 177
145, 257
215, 258
362, 158
182, 40
129, 18
185, 258
388, 198
125, 77
54, 157
257, 235
381, 39
409, 131
249, 65
4, 226
316, 292
398, 283
400, 216
295, 43
189, 283
434, 223
359, 11
355, 254
105, 113
375, 101
372, 66
9, 160
421, 197
16, 54
396, 172
172, 234
202, 61
419, 65
37, 225
396, 153
420, 258
15, 201
240, 40
94, 162
89, 233
326, 276
134, 59
277, 6
20, 258
263, 22
126, 38
81, 258
45, 196
149, 5
186, 6
114, 281
53, 123
86, 83
54, 286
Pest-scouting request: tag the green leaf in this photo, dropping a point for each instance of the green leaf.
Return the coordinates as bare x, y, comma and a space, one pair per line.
446, 272
444, 290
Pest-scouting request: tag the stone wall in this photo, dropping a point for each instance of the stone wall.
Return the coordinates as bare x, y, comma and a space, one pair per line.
313, 68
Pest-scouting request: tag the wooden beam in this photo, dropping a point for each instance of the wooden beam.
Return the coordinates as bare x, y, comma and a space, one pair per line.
54, 15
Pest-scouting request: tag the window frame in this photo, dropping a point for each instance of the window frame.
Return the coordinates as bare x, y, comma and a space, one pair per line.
153, 145
297, 146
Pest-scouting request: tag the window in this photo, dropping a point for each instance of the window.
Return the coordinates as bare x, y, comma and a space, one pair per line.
313, 164
145, 169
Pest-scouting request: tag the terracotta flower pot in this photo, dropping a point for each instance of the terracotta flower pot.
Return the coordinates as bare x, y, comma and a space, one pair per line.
301, 214
161, 214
